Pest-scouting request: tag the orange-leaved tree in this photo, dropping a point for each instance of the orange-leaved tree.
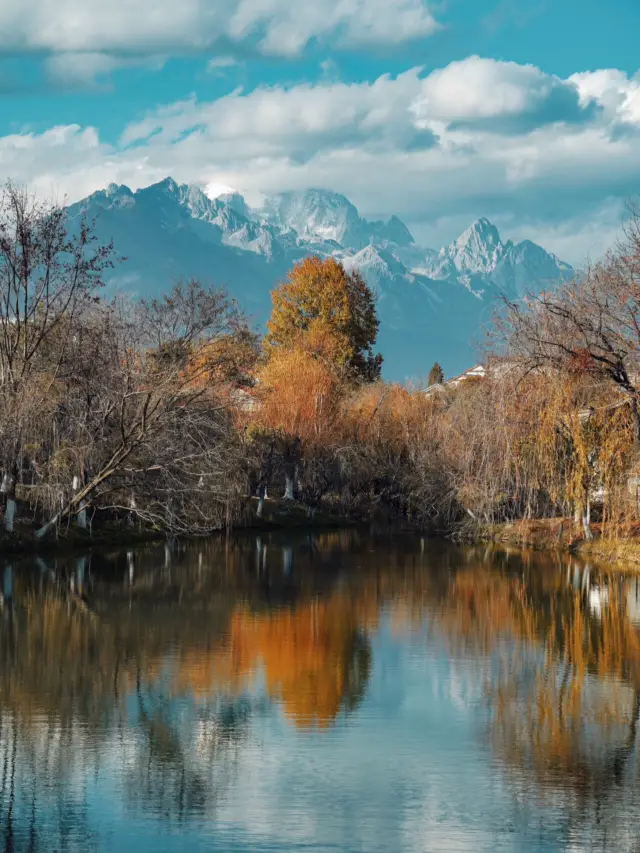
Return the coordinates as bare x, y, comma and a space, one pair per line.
320, 340
322, 302
300, 399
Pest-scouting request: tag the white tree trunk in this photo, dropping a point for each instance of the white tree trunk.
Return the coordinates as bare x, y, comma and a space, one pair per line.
47, 527
288, 491
10, 504
81, 518
9, 515
586, 522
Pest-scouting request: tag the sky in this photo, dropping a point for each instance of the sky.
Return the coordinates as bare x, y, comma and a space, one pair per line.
438, 111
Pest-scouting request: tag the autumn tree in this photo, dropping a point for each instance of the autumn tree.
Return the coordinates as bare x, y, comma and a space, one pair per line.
436, 375
299, 405
332, 308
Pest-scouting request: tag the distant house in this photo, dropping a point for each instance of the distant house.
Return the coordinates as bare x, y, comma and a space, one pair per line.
496, 367
477, 372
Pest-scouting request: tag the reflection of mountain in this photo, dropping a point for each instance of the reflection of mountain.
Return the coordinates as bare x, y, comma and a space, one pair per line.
431, 304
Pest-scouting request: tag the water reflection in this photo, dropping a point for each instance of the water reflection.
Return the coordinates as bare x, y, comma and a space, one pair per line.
332, 691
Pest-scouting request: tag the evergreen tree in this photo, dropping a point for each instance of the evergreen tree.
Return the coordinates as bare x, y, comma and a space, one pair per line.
436, 375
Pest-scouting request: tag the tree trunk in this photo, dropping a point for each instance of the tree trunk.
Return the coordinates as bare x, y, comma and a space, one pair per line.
265, 479
81, 517
8, 490
586, 522
290, 457
289, 479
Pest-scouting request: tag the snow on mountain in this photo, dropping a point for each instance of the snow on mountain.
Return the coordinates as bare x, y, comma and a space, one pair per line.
431, 304
525, 265
478, 249
317, 216
480, 260
323, 217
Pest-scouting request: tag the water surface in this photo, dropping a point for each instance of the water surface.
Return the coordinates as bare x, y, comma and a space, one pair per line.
333, 692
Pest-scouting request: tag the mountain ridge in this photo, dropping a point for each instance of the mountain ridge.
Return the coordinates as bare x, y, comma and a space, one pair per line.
430, 303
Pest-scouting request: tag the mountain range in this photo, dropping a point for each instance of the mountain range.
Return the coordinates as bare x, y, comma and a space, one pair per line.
432, 304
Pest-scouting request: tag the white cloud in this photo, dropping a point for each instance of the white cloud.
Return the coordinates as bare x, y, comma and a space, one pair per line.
73, 68
613, 91
477, 89
426, 148
298, 122
89, 70
219, 63
167, 27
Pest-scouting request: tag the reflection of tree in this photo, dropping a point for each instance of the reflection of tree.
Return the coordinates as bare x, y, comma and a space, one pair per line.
161, 666
315, 658
564, 690
182, 771
126, 660
35, 814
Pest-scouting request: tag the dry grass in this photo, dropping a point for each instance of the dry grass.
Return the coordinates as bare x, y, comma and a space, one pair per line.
619, 545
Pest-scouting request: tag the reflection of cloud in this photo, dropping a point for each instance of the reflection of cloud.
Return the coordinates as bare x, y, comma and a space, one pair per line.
409, 769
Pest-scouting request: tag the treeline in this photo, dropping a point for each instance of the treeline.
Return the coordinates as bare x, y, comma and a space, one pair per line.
173, 414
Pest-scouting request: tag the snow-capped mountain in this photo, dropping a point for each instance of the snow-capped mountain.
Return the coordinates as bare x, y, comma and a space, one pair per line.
431, 304
480, 256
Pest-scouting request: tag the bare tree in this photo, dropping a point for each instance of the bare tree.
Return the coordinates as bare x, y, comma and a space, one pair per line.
588, 326
151, 416
48, 273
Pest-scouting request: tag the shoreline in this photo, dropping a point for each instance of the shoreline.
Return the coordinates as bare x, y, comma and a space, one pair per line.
563, 536
278, 516
558, 535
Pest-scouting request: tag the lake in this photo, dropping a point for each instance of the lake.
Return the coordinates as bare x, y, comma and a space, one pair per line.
318, 692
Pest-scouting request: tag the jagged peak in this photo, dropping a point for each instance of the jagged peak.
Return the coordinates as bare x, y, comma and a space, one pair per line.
167, 185
317, 193
117, 189
236, 201
483, 231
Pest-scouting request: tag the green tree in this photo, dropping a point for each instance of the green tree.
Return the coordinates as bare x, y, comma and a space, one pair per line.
326, 310
436, 375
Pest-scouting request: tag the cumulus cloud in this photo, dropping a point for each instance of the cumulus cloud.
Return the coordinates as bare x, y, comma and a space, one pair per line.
299, 122
613, 91
427, 148
136, 27
477, 91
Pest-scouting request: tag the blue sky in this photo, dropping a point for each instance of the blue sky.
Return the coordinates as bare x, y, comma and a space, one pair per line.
440, 112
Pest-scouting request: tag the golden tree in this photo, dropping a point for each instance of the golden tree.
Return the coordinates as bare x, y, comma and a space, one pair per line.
332, 308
